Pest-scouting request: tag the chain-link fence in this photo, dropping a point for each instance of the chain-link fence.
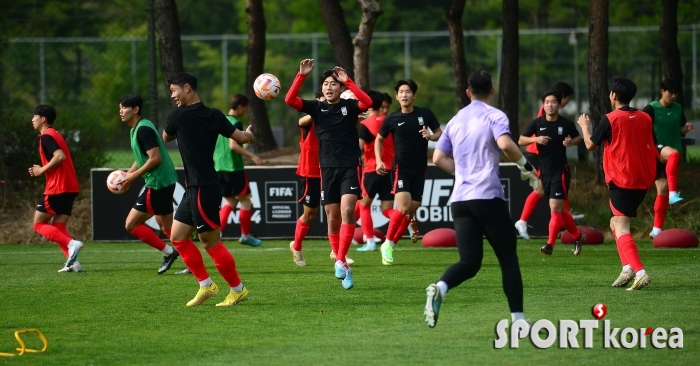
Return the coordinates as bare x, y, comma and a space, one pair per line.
85, 77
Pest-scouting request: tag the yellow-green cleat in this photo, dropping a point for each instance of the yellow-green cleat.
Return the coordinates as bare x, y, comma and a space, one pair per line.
203, 294
234, 298
387, 254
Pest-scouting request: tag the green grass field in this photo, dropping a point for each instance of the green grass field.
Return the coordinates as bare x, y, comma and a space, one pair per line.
118, 311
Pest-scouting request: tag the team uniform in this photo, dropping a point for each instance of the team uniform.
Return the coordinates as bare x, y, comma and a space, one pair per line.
157, 197
373, 183
308, 168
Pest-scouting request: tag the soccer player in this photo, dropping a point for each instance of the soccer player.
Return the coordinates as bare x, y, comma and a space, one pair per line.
553, 134
386, 104
228, 163
532, 156
669, 123
476, 136
411, 128
56, 205
373, 183
196, 128
629, 163
335, 122
153, 163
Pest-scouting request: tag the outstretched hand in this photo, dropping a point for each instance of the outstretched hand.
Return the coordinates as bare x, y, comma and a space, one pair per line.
340, 74
306, 66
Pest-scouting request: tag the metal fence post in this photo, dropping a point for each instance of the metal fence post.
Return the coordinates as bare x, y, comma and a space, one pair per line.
42, 72
224, 66
407, 54
133, 66
694, 104
314, 56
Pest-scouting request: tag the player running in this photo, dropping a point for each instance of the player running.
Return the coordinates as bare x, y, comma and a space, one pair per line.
629, 163
56, 205
411, 128
228, 162
553, 134
335, 122
153, 163
669, 123
196, 128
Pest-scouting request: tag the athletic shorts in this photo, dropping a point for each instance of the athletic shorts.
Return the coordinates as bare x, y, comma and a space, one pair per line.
623, 201
556, 186
200, 208
337, 182
660, 170
373, 184
234, 183
533, 159
156, 201
311, 192
57, 204
412, 183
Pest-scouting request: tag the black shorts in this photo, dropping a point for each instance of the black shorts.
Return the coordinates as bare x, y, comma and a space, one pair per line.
556, 186
337, 182
533, 159
412, 183
311, 192
57, 204
234, 183
156, 201
623, 201
660, 170
373, 184
200, 208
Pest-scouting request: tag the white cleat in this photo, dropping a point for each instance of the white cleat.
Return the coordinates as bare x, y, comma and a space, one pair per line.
75, 267
654, 232
521, 226
74, 247
297, 256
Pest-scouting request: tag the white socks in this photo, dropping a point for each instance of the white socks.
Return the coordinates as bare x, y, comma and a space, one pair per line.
626, 267
517, 316
205, 283
443, 288
641, 273
370, 241
168, 250
238, 288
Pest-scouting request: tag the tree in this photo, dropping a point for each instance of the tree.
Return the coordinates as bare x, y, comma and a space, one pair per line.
168, 27
370, 13
338, 33
508, 83
459, 62
257, 113
671, 55
598, 90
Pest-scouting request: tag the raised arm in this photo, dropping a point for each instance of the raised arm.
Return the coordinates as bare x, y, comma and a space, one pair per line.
292, 98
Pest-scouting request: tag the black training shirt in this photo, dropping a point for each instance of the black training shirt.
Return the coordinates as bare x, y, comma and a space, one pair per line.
552, 157
146, 138
336, 130
410, 147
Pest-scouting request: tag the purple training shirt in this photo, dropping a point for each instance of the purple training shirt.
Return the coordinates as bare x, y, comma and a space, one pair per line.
470, 137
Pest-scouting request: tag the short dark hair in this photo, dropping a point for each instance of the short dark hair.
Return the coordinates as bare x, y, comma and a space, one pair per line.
387, 98
411, 84
479, 84
239, 100
624, 89
184, 78
318, 93
564, 88
47, 112
328, 73
555, 93
377, 99
131, 101
670, 85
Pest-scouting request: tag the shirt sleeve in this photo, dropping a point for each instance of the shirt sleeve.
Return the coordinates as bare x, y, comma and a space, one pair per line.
573, 131
226, 128
309, 107
444, 143
650, 111
147, 138
365, 134
172, 124
531, 129
387, 127
500, 125
433, 123
602, 133
49, 146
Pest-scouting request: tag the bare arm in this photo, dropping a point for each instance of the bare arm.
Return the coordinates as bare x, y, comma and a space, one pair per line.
235, 147
509, 148
305, 121
154, 159
243, 137
57, 158
168, 138
444, 162
378, 141
426, 134
584, 121
133, 168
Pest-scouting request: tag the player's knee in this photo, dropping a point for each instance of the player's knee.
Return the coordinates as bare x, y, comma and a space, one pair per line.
38, 225
130, 226
308, 216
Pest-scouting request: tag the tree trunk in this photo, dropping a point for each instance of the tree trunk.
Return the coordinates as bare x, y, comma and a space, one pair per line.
671, 55
370, 12
508, 100
598, 90
168, 27
338, 33
459, 62
257, 113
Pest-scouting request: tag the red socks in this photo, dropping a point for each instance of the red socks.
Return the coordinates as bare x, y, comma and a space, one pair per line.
224, 214
530, 204
569, 223
358, 210
300, 234
192, 257
335, 242
394, 224
244, 219
388, 212
367, 223
146, 235
628, 252
672, 171
402, 229
61, 226
54, 234
555, 223
347, 231
660, 207
224, 262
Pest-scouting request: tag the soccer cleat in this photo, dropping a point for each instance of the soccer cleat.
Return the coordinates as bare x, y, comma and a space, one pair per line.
297, 256
348, 260
250, 240
625, 277
368, 248
168, 261
184, 271
577, 217
654, 232
387, 254
75, 267
640, 282
74, 247
547, 249
339, 270
414, 230
432, 305
577, 244
521, 226
234, 297
674, 198
203, 294
347, 281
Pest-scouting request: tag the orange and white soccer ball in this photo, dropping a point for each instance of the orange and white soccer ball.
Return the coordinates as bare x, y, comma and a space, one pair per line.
348, 95
266, 86
115, 181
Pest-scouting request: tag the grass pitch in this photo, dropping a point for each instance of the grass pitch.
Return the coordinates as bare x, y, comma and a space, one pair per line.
118, 311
